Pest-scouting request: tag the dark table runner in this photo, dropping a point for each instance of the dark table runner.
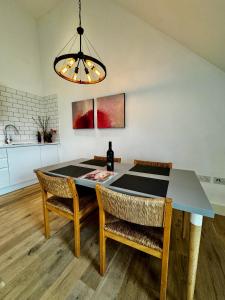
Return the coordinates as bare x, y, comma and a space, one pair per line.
95, 162
145, 185
151, 170
73, 171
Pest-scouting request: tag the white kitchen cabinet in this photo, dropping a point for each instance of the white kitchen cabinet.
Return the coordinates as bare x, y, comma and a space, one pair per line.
3, 153
4, 177
17, 164
22, 161
49, 155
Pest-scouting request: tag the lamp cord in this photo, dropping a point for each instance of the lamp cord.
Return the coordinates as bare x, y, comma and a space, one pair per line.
79, 12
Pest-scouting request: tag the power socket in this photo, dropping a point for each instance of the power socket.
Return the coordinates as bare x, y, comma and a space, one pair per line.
204, 178
219, 180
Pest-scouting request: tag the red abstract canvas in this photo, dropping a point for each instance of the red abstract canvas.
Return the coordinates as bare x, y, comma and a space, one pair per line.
111, 111
83, 114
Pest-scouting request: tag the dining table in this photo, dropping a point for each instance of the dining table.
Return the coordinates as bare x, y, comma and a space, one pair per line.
182, 186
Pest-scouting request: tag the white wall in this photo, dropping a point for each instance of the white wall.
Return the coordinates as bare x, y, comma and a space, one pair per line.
19, 49
175, 101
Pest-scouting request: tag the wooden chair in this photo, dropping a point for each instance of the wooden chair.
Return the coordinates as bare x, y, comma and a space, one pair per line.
153, 163
116, 159
64, 200
185, 216
142, 223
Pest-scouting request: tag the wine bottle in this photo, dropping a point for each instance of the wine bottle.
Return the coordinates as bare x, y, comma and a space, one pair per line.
110, 158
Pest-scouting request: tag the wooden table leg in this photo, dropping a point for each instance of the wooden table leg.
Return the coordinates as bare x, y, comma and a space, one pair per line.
185, 224
195, 237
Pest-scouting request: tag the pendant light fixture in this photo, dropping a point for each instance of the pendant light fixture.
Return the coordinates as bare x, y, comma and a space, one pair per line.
79, 67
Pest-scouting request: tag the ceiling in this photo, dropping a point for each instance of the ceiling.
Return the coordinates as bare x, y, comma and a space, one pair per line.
197, 24
38, 8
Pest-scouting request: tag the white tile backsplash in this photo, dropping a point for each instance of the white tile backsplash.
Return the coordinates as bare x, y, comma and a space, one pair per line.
19, 107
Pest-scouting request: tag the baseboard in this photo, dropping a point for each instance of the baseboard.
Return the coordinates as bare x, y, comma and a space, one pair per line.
219, 209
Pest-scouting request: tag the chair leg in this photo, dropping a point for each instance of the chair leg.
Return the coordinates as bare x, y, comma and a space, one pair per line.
164, 275
77, 238
46, 222
102, 248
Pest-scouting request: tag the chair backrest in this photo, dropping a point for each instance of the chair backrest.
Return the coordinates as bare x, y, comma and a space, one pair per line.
154, 163
138, 210
58, 186
116, 159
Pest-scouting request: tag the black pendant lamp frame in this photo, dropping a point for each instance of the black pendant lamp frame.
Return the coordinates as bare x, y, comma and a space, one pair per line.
90, 64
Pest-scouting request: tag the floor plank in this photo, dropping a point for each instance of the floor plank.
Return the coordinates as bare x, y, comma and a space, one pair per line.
32, 267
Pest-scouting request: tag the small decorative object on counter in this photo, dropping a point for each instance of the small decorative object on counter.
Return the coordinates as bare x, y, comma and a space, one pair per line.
39, 137
110, 158
53, 132
48, 135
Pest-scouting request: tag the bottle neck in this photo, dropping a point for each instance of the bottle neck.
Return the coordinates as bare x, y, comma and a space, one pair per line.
110, 145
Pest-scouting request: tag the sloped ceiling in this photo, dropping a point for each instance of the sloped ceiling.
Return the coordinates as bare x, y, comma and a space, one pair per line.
197, 24
38, 8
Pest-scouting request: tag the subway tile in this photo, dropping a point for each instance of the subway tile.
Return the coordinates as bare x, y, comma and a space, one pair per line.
10, 90
2, 88
17, 105
13, 109
4, 118
13, 119
6, 94
21, 93
29, 95
17, 97
2, 98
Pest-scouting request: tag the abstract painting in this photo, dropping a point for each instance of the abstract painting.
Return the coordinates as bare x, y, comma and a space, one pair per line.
111, 111
83, 114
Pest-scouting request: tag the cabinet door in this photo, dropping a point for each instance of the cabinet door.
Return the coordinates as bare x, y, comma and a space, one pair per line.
22, 161
4, 177
49, 155
3, 153
3, 163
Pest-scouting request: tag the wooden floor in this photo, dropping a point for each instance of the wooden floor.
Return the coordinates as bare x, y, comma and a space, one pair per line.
34, 268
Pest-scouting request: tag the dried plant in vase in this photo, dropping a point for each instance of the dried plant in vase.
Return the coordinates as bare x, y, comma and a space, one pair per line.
42, 122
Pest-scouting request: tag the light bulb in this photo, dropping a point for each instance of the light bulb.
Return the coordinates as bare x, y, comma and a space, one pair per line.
87, 73
89, 63
64, 70
89, 77
75, 74
70, 62
96, 71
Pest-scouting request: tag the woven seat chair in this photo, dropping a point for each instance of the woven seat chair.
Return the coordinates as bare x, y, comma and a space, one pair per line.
185, 217
61, 196
142, 223
116, 159
153, 163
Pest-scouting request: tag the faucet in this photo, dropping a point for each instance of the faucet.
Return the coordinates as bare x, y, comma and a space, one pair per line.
9, 140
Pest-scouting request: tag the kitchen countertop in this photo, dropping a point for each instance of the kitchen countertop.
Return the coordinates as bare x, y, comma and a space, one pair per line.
25, 144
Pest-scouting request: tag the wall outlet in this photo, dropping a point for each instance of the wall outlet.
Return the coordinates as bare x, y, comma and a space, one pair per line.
204, 178
219, 180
